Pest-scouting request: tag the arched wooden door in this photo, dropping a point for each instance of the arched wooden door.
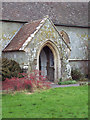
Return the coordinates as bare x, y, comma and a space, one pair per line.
46, 63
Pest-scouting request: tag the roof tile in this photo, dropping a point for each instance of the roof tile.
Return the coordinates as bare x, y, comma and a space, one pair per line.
67, 13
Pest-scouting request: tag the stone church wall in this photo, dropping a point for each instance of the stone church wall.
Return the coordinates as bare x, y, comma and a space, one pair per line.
79, 47
8, 31
78, 38
28, 59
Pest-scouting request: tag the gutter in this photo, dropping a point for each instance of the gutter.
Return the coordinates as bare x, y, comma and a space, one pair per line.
66, 25
16, 21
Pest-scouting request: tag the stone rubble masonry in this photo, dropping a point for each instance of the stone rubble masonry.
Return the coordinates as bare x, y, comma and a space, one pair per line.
46, 35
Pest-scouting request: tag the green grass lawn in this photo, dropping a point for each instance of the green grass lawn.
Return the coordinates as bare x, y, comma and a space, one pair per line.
67, 102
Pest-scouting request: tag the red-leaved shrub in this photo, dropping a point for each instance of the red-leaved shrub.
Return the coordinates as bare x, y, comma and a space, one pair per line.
27, 82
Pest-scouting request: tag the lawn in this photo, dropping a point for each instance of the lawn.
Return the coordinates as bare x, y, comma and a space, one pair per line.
67, 102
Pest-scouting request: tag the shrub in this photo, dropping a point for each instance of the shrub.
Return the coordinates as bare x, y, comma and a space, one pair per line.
76, 74
67, 82
84, 79
60, 80
29, 82
10, 68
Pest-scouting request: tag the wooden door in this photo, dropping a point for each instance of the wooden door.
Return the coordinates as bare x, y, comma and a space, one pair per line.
46, 63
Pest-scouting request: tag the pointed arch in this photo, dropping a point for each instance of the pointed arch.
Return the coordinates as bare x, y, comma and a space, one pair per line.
57, 60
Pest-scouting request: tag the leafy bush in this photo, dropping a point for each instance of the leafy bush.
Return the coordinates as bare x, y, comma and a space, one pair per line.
76, 74
29, 82
84, 79
60, 80
10, 68
67, 82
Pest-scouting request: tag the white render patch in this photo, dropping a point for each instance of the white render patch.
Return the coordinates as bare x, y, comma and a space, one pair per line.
25, 67
35, 32
39, 26
26, 42
32, 35
42, 21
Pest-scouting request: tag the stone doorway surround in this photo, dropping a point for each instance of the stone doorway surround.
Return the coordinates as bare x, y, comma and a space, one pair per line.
57, 61
46, 63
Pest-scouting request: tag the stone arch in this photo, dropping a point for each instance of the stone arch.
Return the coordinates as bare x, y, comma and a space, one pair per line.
57, 60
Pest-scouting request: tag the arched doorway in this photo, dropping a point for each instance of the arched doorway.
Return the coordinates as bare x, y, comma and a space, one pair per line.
56, 69
46, 63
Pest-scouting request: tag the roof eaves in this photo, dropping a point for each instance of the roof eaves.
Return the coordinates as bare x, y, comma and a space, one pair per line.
61, 24
69, 25
4, 51
17, 21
